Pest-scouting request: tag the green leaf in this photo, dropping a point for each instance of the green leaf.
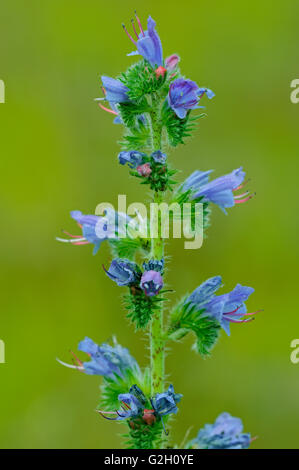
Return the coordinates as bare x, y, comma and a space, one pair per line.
186, 318
178, 129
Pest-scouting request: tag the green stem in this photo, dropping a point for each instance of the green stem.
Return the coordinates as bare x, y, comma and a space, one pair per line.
157, 346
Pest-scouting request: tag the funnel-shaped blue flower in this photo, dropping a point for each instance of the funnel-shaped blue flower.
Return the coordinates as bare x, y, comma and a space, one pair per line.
220, 191
115, 90
225, 433
106, 360
227, 308
147, 42
185, 95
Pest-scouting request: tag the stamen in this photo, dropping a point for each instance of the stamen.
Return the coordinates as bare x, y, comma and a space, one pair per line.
166, 432
242, 185
70, 366
139, 24
233, 311
106, 412
74, 241
133, 24
240, 321
129, 35
108, 110
70, 235
109, 274
241, 195
241, 201
99, 99
77, 359
253, 313
77, 242
126, 405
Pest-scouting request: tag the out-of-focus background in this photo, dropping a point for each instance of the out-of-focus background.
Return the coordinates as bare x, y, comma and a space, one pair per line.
58, 153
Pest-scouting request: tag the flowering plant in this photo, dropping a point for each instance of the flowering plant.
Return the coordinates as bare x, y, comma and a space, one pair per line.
155, 103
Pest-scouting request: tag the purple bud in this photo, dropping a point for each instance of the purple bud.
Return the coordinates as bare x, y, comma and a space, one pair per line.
151, 283
172, 61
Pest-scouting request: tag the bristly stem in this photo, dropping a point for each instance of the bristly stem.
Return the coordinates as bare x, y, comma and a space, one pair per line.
157, 346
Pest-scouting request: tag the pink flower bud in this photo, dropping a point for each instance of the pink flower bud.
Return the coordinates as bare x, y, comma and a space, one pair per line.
160, 71
144, 170
172, 61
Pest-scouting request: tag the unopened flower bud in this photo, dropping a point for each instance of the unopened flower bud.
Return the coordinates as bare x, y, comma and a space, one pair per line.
172, 61
144, 170
160, 71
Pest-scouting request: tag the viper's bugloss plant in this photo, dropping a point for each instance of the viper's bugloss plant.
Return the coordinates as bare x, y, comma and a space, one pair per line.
157, 107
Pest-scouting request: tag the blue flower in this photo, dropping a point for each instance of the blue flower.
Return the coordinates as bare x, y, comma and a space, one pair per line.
227, 308
115, 90
225, 433
148, 43
88, 224
132, 406
184, 95
165, 403
108, 361
123, 272
205, 292
97, 229
196, 180
133, 158
159, 157
151, 283
219, 191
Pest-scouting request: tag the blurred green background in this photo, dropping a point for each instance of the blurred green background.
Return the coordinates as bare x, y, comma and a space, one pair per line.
58, 153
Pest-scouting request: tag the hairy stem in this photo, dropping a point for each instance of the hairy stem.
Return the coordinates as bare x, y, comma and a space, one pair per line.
156, 328
157, 252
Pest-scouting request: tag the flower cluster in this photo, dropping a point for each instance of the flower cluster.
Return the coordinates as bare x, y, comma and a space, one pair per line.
135, 403
128, 273
225, 433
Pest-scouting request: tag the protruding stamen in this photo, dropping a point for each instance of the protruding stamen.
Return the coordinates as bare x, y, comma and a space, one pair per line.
106, 412
75, 241
242, 185
253, 313
241, 201
247, 320
108, 110
133, 25
241, 195
129, 35
70, 235
233, 311
139, 24
70, 366
99, 99
77, 359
